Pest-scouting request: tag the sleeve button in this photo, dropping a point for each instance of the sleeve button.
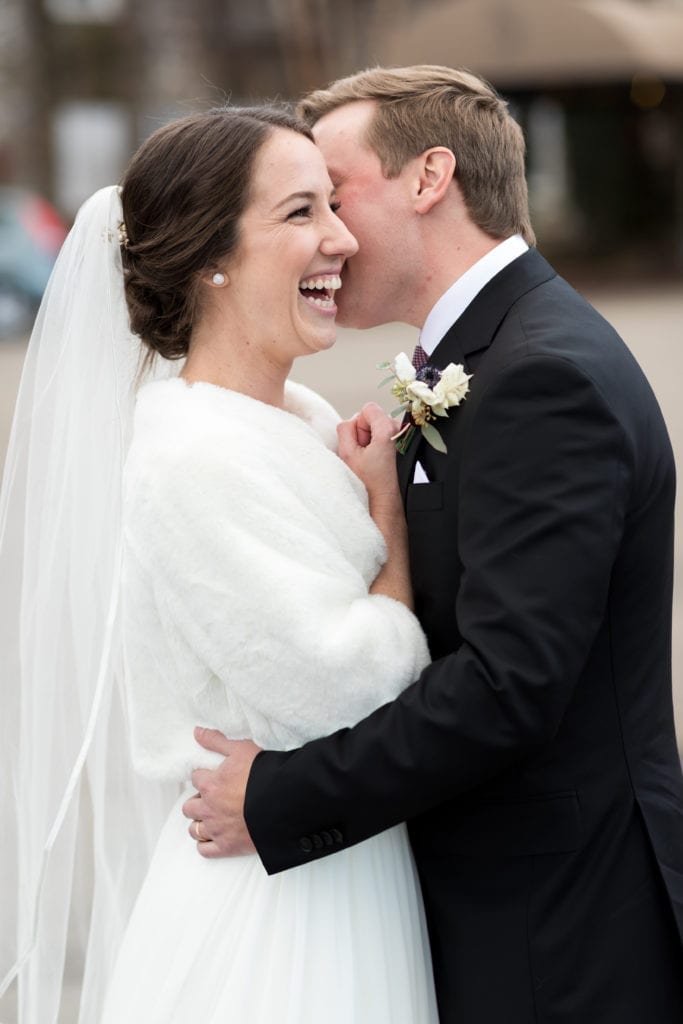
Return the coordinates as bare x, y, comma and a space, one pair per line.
317, 841
337, 836
327, 838
305, 844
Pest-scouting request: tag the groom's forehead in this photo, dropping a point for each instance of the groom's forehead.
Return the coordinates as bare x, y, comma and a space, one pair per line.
341, 138
346, 123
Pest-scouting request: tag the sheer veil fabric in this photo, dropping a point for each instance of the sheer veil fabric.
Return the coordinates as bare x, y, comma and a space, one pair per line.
67, 789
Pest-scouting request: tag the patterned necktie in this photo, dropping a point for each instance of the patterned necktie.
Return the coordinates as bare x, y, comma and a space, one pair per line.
420, 357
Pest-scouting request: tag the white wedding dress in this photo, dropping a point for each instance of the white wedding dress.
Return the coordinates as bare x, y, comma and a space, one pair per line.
249, 552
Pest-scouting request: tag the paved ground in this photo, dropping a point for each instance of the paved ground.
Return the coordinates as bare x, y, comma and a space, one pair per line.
651, 322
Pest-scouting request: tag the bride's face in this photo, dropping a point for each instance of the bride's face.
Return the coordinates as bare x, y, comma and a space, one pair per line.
292, 246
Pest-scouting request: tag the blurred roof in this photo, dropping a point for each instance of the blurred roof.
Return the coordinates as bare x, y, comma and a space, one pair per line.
528, 42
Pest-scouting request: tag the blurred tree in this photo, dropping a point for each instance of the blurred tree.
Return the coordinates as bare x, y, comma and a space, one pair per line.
162, 57
322, 39
27, 98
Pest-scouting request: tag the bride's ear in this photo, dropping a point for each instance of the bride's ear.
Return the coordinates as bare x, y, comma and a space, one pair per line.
436, 172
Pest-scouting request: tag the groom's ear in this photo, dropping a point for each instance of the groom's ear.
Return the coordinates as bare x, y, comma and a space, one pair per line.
435, 169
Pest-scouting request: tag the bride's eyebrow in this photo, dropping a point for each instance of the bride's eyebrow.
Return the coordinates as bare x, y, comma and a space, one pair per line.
309, 196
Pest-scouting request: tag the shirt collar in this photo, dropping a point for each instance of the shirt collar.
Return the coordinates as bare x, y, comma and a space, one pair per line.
455, 301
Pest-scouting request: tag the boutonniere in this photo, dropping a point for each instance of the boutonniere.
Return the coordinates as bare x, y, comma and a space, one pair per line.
424, 395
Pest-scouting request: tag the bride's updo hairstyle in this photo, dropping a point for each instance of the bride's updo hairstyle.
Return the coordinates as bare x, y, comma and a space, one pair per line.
182, 196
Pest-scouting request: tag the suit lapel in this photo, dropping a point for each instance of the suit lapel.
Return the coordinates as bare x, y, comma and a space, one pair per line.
473, 332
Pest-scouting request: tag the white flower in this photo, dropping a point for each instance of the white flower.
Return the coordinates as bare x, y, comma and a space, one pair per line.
417, 389
453, 386
421, 403
403, 367
448, 392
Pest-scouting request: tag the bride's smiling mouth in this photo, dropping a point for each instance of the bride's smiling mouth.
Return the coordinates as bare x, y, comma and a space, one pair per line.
319, 290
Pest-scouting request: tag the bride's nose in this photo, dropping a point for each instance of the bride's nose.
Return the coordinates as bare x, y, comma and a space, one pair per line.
338, 240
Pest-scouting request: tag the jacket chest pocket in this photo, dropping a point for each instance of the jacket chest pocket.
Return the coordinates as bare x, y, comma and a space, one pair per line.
432, 520
433, 543
424, 498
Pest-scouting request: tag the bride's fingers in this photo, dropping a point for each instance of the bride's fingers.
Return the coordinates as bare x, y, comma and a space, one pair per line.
363, 430
347, 437
376, 422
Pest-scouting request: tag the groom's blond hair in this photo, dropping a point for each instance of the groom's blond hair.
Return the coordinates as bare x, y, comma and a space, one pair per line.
428, 105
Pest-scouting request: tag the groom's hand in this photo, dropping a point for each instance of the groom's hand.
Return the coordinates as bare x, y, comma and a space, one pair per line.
217, 809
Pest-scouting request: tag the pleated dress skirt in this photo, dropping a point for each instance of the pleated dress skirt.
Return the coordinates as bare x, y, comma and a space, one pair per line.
341, 940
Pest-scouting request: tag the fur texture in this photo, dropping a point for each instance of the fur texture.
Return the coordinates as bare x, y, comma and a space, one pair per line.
249, 551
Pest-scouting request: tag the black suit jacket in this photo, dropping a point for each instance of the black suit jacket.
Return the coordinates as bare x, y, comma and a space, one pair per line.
535, 758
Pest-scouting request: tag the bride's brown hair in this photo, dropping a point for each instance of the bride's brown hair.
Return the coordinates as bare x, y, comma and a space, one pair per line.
183, 195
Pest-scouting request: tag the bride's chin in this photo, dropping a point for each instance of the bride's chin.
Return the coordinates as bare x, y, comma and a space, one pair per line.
321, 345
319, 340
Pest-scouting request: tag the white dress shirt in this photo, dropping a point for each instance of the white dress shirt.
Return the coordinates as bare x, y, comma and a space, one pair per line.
455, 301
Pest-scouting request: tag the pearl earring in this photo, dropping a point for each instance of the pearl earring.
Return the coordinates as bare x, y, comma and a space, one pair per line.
218, 279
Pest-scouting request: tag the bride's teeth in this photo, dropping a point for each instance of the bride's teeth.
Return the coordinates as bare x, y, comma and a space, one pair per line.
319, 283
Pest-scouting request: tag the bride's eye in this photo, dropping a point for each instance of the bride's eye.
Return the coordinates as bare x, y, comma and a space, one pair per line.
335, 205
303, 211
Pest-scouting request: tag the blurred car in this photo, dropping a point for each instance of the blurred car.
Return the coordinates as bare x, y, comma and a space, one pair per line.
31, 234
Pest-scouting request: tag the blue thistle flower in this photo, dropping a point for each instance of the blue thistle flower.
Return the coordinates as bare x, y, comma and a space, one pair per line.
429, 375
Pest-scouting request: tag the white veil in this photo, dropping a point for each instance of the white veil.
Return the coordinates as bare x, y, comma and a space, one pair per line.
74, 817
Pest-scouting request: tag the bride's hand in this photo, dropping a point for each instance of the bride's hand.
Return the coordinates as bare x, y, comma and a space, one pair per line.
366, 446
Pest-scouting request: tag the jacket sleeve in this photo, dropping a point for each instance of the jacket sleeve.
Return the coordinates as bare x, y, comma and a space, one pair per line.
543, 489
249, 580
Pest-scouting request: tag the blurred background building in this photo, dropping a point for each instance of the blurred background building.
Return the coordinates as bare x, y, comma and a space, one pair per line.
597, 84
